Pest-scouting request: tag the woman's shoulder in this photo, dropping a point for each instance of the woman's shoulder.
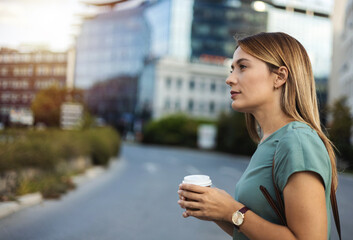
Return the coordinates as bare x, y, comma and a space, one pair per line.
301, 149
299, 133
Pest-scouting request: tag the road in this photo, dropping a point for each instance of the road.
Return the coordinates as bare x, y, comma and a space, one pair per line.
136, 198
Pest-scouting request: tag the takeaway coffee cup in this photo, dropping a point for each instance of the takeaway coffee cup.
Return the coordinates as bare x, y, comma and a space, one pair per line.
201, 180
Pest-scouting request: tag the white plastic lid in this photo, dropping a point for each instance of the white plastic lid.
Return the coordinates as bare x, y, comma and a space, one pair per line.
201, 180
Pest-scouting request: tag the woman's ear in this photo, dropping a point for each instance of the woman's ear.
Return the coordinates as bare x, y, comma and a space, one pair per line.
282, 75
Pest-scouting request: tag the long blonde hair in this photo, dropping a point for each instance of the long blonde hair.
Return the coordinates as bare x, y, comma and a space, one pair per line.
298, 96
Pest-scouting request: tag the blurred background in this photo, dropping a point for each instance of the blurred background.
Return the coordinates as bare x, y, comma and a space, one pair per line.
135, 89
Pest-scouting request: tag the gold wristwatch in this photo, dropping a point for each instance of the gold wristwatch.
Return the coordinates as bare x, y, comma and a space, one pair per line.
238, 217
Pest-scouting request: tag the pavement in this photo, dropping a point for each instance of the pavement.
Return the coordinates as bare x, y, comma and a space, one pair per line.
32, 199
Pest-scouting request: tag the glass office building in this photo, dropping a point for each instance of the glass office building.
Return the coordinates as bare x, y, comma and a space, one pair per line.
216, 22
112, 44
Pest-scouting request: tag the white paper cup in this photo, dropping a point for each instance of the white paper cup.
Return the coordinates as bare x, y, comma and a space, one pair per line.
200, 180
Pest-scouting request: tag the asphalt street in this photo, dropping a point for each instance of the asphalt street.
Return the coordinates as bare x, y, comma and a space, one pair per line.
136, 198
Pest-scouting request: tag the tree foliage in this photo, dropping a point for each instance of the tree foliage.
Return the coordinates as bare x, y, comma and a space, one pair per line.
46, 105
340, 129
232, 135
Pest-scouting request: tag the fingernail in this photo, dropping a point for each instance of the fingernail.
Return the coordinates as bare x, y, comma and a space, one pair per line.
179, 191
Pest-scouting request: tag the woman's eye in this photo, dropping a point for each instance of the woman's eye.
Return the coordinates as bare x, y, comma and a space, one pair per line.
242, 67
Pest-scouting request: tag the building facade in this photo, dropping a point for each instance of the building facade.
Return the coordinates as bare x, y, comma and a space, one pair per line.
170, 86
23, 74
310, 23
341, 79
111, 44
176, 50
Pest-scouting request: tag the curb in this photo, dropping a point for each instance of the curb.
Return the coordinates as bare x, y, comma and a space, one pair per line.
28, 200
7, 208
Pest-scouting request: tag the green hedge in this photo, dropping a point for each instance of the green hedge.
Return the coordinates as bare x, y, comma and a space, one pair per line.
173, 130
232, 135
44, 149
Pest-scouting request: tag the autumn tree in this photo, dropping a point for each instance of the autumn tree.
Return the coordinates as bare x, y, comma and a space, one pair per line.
47, 102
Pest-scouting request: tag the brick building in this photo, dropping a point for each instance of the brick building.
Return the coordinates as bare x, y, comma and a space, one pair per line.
23, 74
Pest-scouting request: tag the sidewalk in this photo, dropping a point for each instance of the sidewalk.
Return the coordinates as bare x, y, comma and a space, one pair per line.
28, 200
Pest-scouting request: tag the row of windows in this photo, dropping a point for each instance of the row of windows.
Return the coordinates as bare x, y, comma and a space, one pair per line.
6, 109
195, 85
28, 70
7, 97
24, 84
34, 57
21, 84
192, 105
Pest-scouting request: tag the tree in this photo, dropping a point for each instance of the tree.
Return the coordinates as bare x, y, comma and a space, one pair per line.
340, 129
232, 134
46, 104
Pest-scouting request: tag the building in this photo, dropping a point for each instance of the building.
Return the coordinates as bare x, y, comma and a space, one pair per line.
111, 44
341, 79
183, 41
169, 86
310, 23
116, 109
23, 74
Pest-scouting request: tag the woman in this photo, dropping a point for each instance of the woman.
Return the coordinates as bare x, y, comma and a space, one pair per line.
272, 83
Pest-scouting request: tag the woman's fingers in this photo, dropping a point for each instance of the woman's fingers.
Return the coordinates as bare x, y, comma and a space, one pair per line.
193, 188
190, 195
189, 204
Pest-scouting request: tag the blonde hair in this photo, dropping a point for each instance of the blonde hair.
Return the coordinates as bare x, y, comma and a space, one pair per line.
298, 96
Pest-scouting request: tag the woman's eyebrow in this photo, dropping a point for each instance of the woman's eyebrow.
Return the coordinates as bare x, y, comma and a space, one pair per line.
238, 61
242, 59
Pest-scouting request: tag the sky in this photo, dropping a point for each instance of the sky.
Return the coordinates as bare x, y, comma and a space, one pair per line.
47, 22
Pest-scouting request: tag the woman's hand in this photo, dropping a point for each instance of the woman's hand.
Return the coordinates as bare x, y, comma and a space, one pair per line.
207, 203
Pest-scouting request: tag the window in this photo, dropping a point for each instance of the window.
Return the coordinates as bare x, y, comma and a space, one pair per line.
212, 107
4, 71
191, 105
213, 87
179, 83
177, 105
192, 84
168, 82
167, 104
38, 57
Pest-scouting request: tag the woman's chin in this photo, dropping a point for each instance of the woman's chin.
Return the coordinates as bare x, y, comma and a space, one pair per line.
237, 108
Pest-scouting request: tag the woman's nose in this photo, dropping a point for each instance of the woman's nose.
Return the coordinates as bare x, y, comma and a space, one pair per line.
230, 80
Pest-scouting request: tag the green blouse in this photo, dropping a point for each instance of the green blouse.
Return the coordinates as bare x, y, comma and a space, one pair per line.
296, 148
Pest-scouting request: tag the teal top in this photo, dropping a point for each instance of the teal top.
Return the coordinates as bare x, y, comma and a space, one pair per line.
296, 148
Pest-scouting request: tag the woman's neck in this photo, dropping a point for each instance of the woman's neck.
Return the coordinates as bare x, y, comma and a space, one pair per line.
271, 121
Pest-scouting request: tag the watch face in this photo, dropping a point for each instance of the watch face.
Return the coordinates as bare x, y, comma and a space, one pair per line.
238, 218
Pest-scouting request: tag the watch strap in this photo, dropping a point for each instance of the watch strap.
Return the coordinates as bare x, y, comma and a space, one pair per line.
243, 210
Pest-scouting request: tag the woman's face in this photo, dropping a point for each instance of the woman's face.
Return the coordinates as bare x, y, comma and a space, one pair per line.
251, 82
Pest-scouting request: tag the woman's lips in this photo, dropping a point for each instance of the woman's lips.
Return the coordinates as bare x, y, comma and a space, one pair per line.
234, 93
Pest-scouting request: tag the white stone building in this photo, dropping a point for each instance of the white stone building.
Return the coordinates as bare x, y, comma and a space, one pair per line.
341, 79
169, 86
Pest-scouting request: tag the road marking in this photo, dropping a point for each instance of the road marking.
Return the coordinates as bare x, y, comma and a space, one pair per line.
192, 170
151, 167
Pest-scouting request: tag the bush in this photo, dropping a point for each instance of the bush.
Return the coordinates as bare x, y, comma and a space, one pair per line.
232, 134
340, 130
173, 130
46, 150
